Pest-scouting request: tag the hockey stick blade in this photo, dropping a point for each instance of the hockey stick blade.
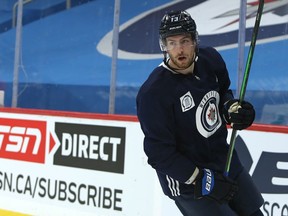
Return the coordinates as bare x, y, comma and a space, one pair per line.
245, 81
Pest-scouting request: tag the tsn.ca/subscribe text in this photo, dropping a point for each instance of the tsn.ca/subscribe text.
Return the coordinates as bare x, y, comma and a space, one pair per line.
60, 190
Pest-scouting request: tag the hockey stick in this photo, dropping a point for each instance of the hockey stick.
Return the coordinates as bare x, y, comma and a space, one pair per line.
245, 81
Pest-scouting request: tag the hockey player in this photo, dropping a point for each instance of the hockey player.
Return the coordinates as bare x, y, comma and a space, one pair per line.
183, 108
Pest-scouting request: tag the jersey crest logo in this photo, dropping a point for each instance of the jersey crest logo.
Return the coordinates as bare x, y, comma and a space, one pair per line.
187, 102
207, 114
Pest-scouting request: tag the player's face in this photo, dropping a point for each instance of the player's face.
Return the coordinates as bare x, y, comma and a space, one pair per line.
181, 49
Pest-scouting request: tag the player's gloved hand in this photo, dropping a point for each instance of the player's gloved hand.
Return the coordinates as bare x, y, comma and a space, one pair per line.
239, 116
215, 186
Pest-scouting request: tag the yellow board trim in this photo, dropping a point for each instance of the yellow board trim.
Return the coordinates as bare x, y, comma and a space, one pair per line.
11, 213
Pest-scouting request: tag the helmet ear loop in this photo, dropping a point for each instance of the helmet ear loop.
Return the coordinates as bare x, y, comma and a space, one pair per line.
196, 49
162, 45
165, 56
196, 43
163, 49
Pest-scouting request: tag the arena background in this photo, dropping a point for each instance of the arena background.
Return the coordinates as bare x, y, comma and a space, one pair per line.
66, 59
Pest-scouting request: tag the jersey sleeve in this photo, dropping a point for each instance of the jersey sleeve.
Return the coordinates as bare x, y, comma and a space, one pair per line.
157, 122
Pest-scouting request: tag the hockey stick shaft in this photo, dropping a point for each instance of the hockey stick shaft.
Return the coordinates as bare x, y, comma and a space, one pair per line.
245, 81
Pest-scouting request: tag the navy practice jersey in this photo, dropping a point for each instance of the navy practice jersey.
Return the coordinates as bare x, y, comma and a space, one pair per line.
180, 116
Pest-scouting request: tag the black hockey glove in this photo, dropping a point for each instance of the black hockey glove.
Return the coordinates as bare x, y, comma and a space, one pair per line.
215, 186
240, 117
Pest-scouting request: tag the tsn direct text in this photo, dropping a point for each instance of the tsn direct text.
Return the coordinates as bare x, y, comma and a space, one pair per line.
90, 147
60, 190
22, 139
